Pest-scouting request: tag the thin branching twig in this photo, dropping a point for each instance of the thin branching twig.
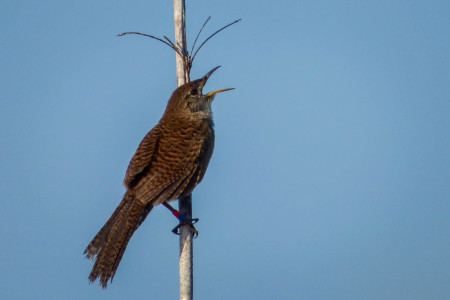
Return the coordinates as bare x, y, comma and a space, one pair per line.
201, 29
193, 57
183, 53
148, 35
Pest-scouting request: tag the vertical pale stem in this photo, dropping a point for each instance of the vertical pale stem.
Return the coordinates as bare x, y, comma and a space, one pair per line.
185, 204
180, 38
186, 252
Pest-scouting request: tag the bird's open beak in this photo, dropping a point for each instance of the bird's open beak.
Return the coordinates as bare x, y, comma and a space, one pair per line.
212, 94
205, 79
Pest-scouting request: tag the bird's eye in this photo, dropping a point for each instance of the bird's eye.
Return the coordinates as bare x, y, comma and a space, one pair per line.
194, 92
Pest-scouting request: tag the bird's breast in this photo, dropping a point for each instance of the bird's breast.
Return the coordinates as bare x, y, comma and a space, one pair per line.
188, 141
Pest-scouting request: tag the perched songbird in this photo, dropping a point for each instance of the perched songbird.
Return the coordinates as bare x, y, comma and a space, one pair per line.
168, 164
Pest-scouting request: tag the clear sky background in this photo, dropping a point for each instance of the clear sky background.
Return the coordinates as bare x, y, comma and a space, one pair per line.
331, 173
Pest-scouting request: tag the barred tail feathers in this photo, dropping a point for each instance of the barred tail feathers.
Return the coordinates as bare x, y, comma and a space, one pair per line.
109, 245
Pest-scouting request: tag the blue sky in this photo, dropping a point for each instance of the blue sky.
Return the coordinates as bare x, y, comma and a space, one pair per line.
330, 176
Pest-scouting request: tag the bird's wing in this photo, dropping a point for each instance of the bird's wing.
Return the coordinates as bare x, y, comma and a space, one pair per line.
158, 187
175, 170
142, 159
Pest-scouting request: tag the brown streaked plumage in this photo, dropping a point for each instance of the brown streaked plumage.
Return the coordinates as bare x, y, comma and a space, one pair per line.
168, 164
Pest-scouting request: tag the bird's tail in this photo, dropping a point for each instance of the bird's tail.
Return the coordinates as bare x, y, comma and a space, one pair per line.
111, 241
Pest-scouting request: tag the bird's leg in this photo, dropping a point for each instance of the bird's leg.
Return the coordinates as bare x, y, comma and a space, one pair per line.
183, 221
175, 212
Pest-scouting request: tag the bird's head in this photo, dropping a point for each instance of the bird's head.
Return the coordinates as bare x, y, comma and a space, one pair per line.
189, 100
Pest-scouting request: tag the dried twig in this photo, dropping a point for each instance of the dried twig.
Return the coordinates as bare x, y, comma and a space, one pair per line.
181, 51
193, 57
201, 29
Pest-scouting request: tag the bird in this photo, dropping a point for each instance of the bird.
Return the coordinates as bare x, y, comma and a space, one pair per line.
168, 164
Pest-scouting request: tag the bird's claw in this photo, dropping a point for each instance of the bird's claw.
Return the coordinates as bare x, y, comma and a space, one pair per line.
190, 226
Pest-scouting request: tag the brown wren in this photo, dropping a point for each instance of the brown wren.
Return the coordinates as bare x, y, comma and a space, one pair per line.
168, 164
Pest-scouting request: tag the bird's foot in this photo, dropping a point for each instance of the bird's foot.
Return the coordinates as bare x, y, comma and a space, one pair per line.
189, 224
183, 221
